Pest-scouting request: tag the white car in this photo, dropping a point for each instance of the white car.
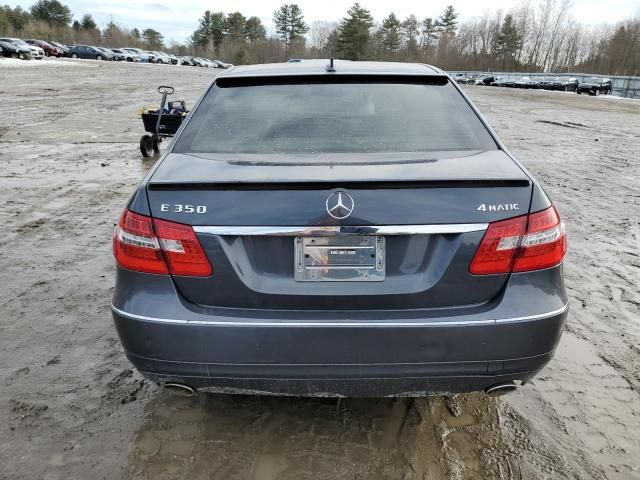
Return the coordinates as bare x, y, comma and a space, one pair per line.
160, 57
36, 52
142, 56
125, 55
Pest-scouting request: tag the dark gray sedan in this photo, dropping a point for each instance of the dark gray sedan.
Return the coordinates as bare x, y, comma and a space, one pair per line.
339, 228
87, 51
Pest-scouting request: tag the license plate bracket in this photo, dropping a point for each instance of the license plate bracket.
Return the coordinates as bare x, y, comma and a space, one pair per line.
340, 258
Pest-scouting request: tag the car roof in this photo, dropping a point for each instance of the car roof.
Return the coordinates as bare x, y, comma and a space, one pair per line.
319, 66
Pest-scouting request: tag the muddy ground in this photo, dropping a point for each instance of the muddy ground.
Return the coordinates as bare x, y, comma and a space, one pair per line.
71, 407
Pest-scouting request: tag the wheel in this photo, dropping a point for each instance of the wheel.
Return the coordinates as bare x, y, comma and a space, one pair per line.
129, 59
156, 145
74, 55
146, 146
159, 61
577, 91
98, 57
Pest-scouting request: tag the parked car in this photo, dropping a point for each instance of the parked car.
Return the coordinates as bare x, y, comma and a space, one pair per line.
142, 55
174, 59
87, 51
221, 64
526, 82
595, 86
548, 83
194, 61
504, 82
349, 257
461, 78
484, 80
11, 50
37, 53
152, 56
125, 55
61, 46
160, 57
571, 85
49, 50
107, 52
183, 60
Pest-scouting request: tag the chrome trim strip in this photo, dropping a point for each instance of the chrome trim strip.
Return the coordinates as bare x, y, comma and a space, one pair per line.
264, 323
343, 230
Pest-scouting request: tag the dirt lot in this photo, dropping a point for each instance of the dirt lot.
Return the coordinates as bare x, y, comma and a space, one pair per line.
71, 407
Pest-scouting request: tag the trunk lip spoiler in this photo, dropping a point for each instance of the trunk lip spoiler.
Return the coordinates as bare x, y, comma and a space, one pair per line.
332, 230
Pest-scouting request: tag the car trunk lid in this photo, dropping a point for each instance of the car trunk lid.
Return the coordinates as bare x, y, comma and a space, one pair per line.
251, 215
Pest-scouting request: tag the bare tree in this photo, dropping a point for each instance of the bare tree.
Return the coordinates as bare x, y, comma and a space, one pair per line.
319, 33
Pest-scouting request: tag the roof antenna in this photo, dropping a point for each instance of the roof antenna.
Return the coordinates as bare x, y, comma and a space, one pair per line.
330, 67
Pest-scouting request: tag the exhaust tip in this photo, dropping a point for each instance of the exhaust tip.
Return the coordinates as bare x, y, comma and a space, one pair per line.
180, 389
500, 389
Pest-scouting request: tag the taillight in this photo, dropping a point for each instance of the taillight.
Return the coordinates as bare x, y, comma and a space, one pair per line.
529, 242
147, 245
499, 246
545, 243
135, 246
182, 249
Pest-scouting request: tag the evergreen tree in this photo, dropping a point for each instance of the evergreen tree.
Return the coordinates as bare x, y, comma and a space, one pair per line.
254, 30
153, 39
88, 23
390, 33
290, 25
135, 36
235, 26
211, 30
410, 31
52, 12
429, 32
507, 42
448, 22
353, 33
13, 18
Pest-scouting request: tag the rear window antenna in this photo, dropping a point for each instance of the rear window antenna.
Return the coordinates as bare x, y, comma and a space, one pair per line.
330, 67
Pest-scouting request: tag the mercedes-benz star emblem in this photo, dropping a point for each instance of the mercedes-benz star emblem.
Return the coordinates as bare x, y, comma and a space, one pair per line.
340, 205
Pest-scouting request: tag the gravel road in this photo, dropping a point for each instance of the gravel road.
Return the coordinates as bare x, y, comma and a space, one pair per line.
72, 408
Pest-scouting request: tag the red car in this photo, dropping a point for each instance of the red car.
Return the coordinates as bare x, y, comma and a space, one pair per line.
49, 50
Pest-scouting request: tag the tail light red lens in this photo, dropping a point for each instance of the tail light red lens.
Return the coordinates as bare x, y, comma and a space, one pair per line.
521, 244
182, 249
135, 246
147, 245
545, 243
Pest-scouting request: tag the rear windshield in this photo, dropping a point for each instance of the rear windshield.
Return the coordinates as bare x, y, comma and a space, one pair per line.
333, 118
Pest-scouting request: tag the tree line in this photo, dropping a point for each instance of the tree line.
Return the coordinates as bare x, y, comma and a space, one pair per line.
534, 35
53, 20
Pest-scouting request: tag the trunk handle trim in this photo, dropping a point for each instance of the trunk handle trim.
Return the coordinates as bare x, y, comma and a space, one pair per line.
332, 230
329, 323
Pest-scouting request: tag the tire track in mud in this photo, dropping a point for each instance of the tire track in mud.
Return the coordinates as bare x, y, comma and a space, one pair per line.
586, 403
218, 436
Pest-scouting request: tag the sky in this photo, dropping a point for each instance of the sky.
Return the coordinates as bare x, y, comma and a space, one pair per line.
176, 20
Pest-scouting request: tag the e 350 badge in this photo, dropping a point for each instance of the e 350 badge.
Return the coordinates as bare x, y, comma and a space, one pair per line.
180, 208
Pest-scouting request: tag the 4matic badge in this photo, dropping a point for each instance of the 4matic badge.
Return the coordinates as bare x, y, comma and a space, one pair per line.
501, 207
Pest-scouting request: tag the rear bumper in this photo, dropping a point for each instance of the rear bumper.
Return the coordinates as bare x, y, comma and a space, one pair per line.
376, 353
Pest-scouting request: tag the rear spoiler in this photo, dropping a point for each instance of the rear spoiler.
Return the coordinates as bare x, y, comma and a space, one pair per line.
334, 78
350, 185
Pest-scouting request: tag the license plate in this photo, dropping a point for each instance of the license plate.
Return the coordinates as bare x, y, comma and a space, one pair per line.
341, 258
